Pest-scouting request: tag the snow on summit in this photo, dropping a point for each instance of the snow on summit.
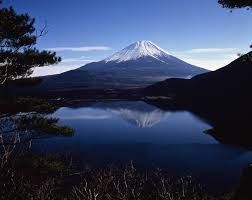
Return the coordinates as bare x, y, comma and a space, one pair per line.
138, 50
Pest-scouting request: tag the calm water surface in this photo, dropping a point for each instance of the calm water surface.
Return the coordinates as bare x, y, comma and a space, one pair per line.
112, 132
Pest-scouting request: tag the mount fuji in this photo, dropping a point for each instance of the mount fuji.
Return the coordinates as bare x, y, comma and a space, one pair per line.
138, 65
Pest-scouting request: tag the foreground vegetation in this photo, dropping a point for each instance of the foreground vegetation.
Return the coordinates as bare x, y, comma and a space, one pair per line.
46, 178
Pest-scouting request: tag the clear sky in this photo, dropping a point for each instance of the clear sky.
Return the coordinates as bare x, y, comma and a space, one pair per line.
200, 32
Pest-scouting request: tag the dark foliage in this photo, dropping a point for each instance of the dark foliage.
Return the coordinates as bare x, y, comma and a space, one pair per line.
27, 116
42, 124
236, 3
12, 105
18, 36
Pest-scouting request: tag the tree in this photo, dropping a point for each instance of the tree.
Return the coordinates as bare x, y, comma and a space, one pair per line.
18, 37
236, 3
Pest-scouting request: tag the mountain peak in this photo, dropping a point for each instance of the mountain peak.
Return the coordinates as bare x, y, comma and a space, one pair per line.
143, 43
137, 50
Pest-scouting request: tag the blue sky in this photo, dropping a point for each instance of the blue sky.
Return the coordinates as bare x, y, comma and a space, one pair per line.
198, 31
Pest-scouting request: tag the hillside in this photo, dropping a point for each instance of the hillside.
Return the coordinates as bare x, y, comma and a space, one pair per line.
230, 83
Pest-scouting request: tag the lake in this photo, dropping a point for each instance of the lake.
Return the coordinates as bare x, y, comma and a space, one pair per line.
175, 141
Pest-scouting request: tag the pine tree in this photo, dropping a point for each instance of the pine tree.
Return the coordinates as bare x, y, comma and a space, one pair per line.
18, 37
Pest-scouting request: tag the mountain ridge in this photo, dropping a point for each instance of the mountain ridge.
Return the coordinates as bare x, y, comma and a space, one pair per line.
225, 85
138, 65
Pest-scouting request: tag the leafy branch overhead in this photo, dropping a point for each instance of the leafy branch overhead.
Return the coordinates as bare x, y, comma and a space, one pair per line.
236, 3
18, 37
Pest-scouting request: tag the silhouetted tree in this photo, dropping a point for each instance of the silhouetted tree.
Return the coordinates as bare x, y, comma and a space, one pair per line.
236, 3
18, 36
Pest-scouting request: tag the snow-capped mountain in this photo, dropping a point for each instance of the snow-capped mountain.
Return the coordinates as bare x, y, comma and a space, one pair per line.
138, 65
138, 50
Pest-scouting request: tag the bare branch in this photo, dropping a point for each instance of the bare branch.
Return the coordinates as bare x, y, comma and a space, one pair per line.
42, 32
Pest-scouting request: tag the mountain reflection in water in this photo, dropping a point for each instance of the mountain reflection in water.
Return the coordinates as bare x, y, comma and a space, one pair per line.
136, 113
174, 140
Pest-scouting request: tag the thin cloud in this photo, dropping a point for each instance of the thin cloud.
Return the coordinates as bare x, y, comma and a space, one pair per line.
212, 50
80, 49
78, 59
